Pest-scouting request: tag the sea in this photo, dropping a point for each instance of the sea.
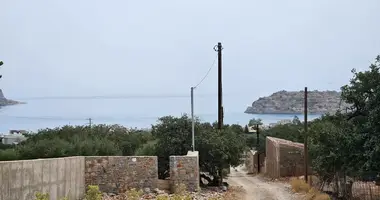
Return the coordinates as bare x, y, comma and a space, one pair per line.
38, 114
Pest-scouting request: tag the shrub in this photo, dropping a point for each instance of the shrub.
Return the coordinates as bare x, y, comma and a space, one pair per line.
93, 193
134, 194
162, 197
42, 196
8, 154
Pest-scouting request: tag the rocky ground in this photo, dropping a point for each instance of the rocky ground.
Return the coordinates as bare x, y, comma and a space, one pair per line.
232, 193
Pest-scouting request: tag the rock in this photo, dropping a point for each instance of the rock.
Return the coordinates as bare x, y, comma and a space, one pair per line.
6, 102
292, 102
147, 190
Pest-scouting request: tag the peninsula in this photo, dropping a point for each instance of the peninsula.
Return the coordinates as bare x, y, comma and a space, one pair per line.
6, 102
292, 102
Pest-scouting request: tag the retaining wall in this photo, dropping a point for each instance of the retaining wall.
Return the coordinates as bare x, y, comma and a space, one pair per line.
185, 170
60, 177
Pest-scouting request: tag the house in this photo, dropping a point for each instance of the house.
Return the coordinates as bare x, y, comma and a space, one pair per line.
14, 137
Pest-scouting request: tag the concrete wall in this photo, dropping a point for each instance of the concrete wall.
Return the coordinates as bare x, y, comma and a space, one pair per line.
284, 158
251, 162
185, 170
60, 177
115, 174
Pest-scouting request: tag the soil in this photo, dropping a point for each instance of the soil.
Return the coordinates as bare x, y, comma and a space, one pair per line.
258, 188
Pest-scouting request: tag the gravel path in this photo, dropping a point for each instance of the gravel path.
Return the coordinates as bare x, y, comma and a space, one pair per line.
258, 189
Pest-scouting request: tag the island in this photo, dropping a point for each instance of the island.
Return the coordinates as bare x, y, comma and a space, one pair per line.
6, 102
292, 102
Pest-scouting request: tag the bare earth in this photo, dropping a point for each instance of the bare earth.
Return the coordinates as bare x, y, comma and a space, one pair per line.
258, 189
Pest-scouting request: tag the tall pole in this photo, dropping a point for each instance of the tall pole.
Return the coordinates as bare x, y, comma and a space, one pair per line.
305, 136
257, 148
192, 119
219, 49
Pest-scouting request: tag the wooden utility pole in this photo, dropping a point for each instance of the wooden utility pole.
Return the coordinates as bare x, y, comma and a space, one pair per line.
305, 137
219, 49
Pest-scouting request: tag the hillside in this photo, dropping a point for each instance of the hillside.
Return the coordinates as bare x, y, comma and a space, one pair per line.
291, 102
6, 102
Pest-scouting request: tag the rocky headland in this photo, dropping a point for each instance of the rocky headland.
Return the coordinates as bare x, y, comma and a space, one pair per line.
292, 102
6, 102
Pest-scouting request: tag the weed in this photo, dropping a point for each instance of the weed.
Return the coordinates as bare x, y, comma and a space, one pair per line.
42, 196
134, 194
93, 193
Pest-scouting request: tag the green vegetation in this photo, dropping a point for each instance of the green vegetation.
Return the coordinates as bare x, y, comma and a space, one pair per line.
218, 149
344, 144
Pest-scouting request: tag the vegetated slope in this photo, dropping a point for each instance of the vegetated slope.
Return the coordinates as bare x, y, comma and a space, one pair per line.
292, 102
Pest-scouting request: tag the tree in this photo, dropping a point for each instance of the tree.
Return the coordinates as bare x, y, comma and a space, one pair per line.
254, 121
218, 148
363, 94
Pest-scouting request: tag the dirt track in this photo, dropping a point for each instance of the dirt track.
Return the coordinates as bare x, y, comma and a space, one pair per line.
258, 189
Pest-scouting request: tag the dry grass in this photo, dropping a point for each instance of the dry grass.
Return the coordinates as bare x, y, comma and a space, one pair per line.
299, 186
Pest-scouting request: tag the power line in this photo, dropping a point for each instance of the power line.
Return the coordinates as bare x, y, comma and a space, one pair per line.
213, 63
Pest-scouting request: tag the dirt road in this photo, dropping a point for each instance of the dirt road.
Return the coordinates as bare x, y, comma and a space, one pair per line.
258, 189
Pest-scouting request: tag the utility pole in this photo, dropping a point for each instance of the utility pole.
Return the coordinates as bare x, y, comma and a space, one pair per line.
257, 148
219, 49
192, 119
305, 137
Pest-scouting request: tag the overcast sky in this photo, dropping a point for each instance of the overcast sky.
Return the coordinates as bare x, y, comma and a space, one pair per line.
98, 47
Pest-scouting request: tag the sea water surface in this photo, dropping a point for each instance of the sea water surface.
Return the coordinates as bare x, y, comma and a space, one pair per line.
135, 113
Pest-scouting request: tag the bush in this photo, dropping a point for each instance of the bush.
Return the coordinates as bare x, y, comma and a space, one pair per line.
42, 196
8, 154
93, 193
134, 194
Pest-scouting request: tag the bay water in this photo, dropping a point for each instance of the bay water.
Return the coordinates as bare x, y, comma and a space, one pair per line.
135, 113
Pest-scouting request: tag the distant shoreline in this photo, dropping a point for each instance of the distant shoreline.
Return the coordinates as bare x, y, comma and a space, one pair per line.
285, 113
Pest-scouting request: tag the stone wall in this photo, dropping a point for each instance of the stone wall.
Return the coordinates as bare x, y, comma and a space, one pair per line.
60, 177
185, 170
284, 158
115, 174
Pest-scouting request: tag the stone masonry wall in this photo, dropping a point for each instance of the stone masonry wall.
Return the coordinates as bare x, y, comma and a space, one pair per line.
115, 174
185, 170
